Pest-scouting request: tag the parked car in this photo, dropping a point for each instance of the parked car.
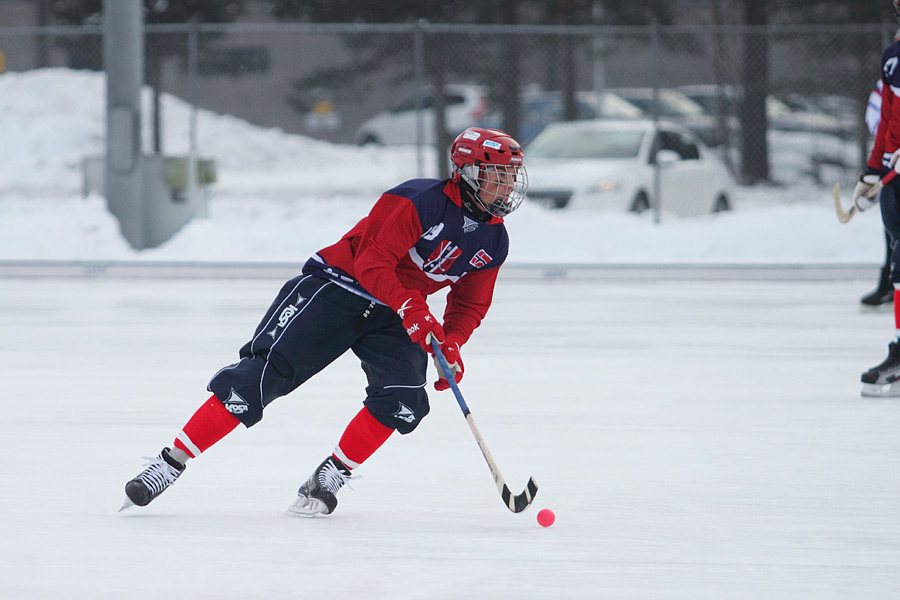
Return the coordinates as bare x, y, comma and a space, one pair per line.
540, 108
677, 107
610, 164
780, 115
465, 106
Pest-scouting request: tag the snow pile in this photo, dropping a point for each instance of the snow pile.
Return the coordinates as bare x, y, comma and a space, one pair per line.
280, 197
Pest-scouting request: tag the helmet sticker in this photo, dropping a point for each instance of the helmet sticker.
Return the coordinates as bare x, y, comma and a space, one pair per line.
492, 144
464, 150
471, 135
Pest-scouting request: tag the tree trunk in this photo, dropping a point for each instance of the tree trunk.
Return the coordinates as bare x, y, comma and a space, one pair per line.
509, 52
567, 17
441, 139
754, 124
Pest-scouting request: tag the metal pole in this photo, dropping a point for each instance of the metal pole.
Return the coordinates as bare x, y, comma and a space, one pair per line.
123, 59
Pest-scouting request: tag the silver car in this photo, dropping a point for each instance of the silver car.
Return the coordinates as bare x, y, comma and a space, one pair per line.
465, 106
611, 164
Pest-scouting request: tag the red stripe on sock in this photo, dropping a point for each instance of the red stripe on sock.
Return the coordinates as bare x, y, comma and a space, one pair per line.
210, 423
897, 309
362, 437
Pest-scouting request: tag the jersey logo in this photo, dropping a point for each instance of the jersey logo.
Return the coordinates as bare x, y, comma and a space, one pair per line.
405, 414
433, 232
890, 65
442, 258
469, 225
480, 259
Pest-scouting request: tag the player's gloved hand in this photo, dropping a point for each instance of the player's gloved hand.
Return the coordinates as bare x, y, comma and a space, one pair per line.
450, 350
892, 161
419, 323
862, 191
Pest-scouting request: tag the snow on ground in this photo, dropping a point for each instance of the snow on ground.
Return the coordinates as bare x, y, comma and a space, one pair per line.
281, 197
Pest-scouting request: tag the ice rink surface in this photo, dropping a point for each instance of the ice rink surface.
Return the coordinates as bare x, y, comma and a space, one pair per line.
696, 439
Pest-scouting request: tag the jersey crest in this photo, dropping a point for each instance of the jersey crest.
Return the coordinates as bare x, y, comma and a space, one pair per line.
442, 258
480, 259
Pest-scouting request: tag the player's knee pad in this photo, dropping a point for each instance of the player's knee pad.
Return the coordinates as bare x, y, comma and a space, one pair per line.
399, 408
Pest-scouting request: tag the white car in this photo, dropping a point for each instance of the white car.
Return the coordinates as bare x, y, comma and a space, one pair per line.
465, 106
610, 164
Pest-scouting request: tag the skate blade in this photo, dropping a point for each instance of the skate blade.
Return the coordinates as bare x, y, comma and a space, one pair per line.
876, 390
306, 508
881, 308
126, 505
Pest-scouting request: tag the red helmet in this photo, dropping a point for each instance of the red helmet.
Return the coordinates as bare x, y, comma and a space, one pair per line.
491, 163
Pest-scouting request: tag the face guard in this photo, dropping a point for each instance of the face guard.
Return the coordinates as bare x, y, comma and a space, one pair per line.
491, 164
499, 189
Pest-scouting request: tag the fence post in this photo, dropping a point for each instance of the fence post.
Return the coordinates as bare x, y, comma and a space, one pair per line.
657, 183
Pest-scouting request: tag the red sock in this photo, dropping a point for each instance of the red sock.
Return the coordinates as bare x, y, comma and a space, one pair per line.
363, 436
210, 423
897, 309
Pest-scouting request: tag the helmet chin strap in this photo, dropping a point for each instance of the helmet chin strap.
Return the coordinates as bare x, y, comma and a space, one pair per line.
470, 199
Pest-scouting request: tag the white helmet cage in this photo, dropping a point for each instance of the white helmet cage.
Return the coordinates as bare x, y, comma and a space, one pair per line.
499, 189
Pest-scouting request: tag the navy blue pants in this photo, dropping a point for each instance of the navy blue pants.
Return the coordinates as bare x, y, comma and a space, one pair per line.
312, 322
890, 216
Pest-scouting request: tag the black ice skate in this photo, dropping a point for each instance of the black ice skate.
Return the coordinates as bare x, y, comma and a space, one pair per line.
882, 380
317, 495
880, 299
161, 472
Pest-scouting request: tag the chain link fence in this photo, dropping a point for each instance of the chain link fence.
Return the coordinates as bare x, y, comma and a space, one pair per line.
778, 104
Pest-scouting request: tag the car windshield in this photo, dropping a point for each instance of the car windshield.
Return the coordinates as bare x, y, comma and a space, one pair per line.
670, 105
585, 143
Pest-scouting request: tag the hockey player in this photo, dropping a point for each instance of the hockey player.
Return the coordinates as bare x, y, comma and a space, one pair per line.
883, 294
880, 380
367, 293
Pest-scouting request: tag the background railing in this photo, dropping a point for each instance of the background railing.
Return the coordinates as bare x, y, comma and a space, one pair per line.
325, 80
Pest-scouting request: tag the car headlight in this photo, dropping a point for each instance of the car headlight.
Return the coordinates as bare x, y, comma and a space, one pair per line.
604, 185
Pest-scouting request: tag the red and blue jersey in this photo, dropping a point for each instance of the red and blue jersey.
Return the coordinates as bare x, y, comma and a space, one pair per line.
887, 138
418, 238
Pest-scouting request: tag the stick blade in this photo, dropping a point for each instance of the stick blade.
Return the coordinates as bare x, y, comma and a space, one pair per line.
842, 215
522, 501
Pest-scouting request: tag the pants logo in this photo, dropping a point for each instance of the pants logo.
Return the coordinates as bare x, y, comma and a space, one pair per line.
235, 404
405, 414
285, 316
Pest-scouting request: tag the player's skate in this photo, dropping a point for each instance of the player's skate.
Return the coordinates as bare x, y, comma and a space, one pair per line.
883, 380
160, 473
880, 299
317, 495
